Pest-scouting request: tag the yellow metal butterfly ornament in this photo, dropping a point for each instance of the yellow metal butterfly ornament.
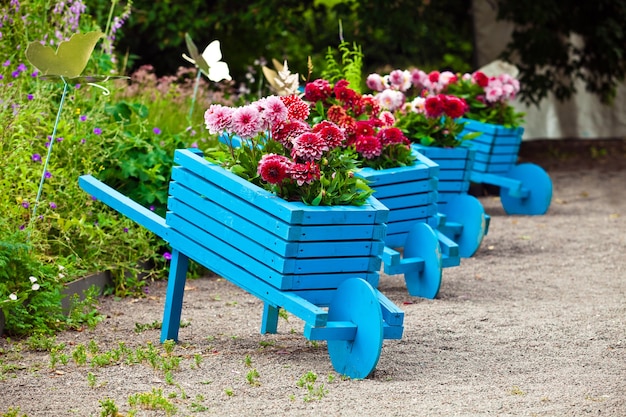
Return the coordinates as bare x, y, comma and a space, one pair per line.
66, 64
69, 60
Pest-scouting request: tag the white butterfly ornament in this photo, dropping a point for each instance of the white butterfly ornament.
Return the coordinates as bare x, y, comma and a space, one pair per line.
210, 62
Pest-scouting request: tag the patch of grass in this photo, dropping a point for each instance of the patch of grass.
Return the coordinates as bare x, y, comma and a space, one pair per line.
313, 391
253, 378
153, 400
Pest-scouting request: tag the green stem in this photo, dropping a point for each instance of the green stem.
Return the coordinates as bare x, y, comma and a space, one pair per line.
195, 92
45, 165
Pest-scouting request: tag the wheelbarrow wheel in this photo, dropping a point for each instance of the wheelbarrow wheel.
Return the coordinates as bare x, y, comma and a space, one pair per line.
539, 186
355, 301
470, 214
422, 242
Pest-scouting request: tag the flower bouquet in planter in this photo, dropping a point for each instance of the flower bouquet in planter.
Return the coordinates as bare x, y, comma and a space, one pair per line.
403, 180
529, 187
489, 113
431, 119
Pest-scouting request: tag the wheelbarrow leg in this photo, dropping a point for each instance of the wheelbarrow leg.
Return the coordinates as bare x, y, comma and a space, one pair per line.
270, 318
174, 296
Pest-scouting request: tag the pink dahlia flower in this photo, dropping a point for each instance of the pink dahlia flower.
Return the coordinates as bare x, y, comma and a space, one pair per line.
308, 147
247, 121
218, 118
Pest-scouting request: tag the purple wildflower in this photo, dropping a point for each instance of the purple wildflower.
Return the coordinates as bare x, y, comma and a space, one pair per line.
156, 131
25, 204
30, 97
53, 205
167, 256
97, 131
36, 157
48, 174
83, 118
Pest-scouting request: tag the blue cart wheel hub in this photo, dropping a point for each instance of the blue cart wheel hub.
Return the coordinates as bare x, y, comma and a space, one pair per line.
536, 187
355, 301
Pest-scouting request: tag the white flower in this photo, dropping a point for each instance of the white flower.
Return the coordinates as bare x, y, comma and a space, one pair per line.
13, 296
35, 287
61, 267
61, 276
32, 279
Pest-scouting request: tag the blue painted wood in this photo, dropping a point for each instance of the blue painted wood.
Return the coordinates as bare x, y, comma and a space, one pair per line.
123, 204
356, 302
243, 233
454, 183
465, 223
455, 167
494, 140
291, 212
425, 283
537, 199
174, 296
269, 323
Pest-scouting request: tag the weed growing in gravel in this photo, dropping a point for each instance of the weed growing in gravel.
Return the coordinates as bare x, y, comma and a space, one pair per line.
13, 412
314, 392
140, 328
253, 378
248, 361
152, 401
109, 408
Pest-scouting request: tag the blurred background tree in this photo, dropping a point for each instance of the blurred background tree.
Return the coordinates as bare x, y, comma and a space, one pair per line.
554, 42
397, 33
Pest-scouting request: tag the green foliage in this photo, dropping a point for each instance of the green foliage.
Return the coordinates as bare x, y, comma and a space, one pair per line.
153, 400
348, 67
442, 132
56, 233
401, 33
550, 58
314, 391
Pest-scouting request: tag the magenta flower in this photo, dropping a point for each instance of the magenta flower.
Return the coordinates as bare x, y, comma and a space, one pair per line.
218, 118
247, 122
308, 147
36, 157
25, 204
48, 174
156, 131
304, 173
273, 110
167, 256
53, 205
332, 134
273, 168
82, 118
297, 109
286, 132
375, 82
368, 146
97, 131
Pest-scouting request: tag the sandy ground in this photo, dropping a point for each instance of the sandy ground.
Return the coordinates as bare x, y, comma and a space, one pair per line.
533, 325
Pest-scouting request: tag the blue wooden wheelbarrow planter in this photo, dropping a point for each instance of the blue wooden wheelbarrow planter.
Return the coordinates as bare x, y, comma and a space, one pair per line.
410, 194
461, 216
319, 263
525, 188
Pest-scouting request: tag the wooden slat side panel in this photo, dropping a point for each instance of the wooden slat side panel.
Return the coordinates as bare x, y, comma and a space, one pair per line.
290, 212
411, 200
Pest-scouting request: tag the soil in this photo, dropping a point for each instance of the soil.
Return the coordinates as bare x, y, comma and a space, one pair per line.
533, 325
